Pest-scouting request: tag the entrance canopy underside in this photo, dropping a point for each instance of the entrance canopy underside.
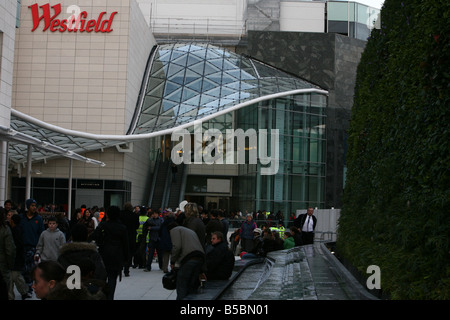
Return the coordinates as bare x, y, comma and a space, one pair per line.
183, 83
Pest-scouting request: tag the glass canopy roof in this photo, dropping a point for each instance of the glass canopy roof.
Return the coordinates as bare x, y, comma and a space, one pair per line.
183, 83
190, 81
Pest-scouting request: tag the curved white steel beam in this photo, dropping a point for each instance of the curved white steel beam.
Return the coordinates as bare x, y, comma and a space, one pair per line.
143, 136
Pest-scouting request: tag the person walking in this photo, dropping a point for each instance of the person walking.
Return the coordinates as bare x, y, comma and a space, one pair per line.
141, 241
50, 241
306, 223
166, 242
7, 255
16, 277
112, 239
131, 221
152, 226
246, 233
32, 227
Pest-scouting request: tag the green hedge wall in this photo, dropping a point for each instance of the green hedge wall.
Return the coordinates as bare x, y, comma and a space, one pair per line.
396, 211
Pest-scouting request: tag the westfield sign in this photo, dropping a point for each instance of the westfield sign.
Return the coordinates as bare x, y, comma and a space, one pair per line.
75, 23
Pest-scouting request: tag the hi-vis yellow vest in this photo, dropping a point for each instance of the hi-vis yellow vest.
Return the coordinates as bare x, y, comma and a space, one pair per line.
281, 230
142, 220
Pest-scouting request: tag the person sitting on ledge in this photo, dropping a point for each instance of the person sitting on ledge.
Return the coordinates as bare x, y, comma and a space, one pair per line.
219, 258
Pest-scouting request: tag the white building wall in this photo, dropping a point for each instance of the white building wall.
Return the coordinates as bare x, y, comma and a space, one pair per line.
206, 17
136, 164
81, 81
140, 43
8, 10
87, 82
302, 16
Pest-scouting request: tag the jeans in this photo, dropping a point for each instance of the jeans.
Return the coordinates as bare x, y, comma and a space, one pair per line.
152, 246
188, 278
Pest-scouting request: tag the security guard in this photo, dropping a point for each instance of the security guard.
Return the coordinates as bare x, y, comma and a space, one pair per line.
140, 256
281, 230
142, 220
274, 229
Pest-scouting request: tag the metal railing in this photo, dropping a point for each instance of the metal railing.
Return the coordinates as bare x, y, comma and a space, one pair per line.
326, 227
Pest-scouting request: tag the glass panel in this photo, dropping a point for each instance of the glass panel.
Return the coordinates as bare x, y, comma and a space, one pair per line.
340, 11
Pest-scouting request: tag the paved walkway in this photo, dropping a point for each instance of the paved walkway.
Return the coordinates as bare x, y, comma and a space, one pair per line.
139, 285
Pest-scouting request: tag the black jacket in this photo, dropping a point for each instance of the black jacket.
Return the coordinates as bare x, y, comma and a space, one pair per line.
300, 221
18, 241
112, 240
219, 262
130, 220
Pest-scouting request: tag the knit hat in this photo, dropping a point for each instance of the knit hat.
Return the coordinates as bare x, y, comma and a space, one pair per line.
29, 202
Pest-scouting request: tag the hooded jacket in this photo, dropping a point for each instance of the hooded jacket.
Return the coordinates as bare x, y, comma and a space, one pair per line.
49, 244
75, 253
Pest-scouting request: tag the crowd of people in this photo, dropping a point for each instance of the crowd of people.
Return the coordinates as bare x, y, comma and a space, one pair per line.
35, 252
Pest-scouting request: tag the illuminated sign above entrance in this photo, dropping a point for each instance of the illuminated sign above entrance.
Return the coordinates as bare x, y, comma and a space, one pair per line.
74, 23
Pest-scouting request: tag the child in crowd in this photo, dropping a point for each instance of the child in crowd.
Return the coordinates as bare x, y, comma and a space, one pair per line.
49, 242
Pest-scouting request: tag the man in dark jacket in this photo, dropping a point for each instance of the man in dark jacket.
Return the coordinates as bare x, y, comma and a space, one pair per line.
16, 273
219, 259
246, 233
112, 239
152, 227
166, 242
32, 226
306, 223
131, 221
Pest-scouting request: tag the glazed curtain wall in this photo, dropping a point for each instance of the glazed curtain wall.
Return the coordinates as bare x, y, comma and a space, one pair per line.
300, 181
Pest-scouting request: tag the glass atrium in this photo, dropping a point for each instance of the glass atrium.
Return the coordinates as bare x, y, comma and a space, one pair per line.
186, 83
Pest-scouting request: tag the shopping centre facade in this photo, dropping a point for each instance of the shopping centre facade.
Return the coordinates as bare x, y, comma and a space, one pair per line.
100, 100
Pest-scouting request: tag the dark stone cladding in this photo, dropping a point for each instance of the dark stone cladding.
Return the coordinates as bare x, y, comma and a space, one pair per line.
326, 59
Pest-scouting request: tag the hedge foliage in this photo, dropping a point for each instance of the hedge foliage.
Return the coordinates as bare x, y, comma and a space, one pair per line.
396, 211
